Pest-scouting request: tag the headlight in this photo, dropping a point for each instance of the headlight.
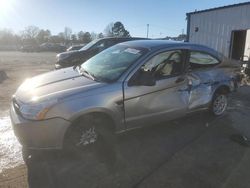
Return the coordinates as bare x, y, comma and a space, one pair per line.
36, 110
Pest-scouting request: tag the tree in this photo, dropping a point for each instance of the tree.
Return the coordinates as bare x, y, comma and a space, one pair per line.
74, 38
6, 36
43, 36
80, 35
100, 35
59, 38
67, 34
86, 37
30, 32
93, 35
119, 30
108, 30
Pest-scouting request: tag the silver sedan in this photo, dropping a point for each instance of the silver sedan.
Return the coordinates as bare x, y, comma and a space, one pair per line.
126, 86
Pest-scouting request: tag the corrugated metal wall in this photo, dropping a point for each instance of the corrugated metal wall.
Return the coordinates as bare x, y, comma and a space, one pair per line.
216, 26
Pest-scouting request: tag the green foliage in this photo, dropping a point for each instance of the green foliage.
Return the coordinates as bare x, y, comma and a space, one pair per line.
116, 29
119, 30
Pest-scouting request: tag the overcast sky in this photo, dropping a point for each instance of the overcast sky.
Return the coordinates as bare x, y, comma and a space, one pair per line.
165, 18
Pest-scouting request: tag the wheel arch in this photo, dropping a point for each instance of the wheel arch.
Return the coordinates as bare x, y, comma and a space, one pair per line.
105, 129
225, 89
96, 113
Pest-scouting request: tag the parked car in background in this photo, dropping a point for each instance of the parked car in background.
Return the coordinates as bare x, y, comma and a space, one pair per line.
30, 48
71, 58
45, 47
129, 85
75, 47
52, 47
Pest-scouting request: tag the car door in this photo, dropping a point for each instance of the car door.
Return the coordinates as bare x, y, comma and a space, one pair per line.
165, 100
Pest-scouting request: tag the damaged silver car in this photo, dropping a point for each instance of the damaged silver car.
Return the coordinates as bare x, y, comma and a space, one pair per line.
126, 86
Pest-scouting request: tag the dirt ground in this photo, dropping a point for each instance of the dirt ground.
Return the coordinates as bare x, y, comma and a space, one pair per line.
17, 66
195, 151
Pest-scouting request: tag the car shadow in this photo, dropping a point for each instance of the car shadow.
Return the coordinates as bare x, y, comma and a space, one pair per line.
136, 155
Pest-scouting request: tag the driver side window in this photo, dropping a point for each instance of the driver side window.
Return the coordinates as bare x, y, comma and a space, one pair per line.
165, 64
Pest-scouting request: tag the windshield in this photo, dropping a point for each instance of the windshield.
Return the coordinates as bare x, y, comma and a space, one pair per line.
89, 45
110, 64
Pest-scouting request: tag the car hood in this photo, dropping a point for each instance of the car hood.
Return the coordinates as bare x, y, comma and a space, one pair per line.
56, 84
68, 53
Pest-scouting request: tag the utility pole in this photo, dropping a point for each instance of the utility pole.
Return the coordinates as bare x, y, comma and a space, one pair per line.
147, 29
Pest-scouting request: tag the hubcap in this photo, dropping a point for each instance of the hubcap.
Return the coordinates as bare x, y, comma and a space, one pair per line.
88, 136
220, 104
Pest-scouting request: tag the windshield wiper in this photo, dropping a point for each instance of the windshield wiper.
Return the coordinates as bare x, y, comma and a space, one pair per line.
86, 73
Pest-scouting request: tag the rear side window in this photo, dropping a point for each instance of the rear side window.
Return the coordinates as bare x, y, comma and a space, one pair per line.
201, 60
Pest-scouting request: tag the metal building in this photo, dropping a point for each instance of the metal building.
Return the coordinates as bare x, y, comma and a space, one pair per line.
226, 29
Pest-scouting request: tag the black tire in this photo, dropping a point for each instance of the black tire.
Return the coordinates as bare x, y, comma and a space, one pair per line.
219, 103
96, 131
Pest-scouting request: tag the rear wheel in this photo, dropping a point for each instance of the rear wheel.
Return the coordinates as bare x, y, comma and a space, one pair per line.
219, 103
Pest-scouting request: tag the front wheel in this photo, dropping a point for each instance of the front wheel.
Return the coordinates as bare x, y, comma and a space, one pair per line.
219, 104
89, 132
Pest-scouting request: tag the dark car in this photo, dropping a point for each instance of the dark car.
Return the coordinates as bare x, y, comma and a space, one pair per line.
71, 58
75, 47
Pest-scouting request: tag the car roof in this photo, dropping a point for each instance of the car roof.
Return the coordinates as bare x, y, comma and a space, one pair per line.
123, 38
154, 45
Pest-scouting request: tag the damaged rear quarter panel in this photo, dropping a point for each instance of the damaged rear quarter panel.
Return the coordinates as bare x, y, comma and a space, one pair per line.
204, 83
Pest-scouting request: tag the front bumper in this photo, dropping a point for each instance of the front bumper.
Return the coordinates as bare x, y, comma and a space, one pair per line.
45, 134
